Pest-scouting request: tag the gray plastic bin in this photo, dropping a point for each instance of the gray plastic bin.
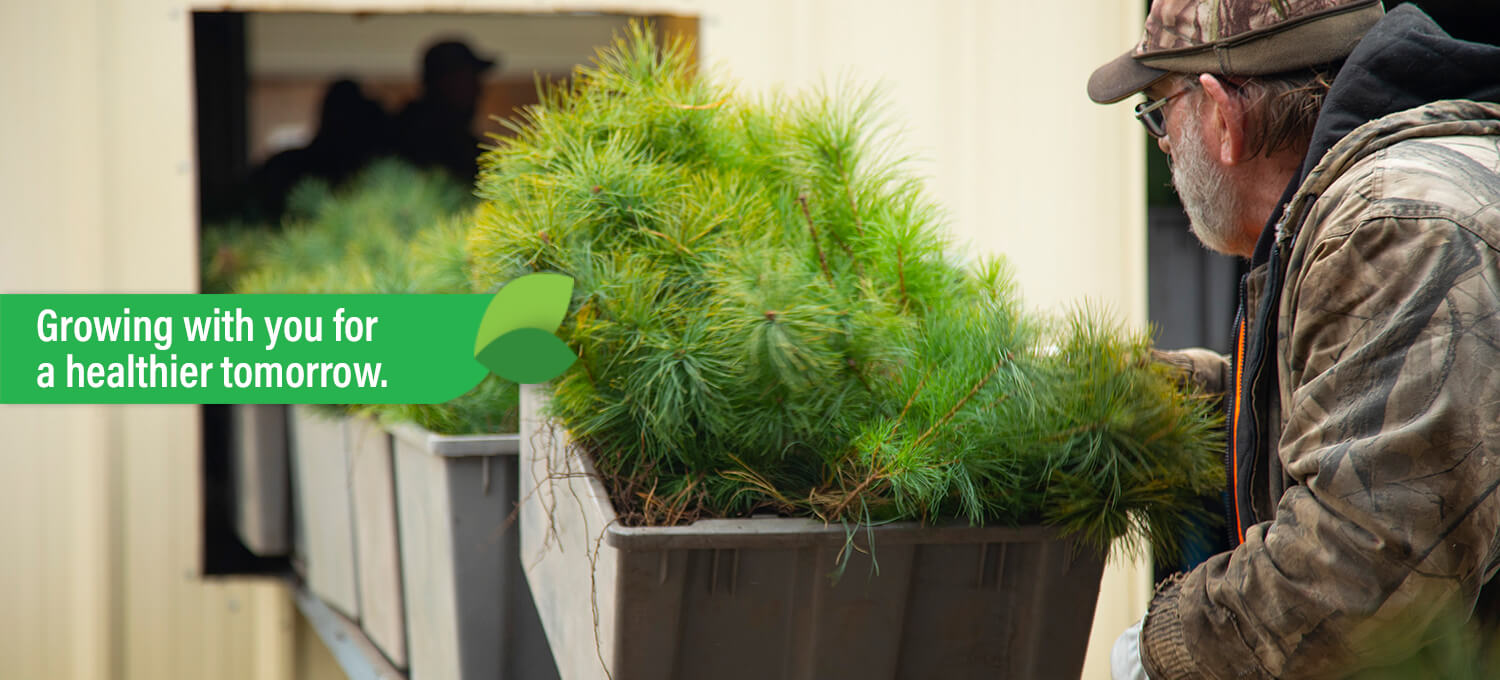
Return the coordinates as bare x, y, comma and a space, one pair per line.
378, 559
469, 614
323, 539
754, 598
262, 499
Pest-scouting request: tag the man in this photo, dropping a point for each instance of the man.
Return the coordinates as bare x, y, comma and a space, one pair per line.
1354, 157
352, 130
436, 130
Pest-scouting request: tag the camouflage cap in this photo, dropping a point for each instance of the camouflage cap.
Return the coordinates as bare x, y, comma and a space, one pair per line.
1235, 38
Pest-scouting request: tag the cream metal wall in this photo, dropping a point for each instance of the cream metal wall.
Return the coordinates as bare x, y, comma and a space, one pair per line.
99, 509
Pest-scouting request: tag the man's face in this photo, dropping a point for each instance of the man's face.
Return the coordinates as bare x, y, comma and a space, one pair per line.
1201, 182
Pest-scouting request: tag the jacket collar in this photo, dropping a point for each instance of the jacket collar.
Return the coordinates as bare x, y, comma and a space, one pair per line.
1437, 119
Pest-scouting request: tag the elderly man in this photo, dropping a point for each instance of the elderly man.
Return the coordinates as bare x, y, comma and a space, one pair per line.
1354, 157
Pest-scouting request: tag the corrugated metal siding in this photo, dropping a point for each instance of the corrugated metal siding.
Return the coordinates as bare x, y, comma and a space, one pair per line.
100, 509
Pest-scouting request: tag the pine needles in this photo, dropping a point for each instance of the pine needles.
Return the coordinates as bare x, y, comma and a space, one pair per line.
768, 318
393, 229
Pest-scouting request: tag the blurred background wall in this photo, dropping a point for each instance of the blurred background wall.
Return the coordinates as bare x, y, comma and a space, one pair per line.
100, 509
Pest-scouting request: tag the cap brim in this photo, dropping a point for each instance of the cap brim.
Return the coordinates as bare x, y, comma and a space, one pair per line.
1121, 78
483, 64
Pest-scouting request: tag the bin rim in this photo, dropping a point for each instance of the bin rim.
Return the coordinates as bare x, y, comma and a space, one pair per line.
797, 532
456, 445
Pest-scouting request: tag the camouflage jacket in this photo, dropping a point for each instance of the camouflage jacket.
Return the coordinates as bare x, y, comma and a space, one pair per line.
1371, 510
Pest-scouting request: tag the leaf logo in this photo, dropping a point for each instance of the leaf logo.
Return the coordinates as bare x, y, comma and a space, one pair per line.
515, 337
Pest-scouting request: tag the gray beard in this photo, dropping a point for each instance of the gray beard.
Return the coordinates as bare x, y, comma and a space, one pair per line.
1204, 189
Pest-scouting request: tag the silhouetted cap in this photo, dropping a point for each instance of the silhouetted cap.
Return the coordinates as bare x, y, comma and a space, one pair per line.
449, 56
1235, 38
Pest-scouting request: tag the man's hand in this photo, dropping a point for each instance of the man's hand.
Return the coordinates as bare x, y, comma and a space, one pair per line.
1200, 370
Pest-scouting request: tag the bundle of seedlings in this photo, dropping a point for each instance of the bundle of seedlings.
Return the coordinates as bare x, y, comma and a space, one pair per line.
769, 319
342, 241
392, 229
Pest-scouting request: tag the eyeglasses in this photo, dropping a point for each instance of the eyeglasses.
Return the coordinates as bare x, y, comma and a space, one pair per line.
1150, 114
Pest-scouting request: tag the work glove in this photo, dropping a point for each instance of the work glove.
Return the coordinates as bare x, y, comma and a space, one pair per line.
1199, 370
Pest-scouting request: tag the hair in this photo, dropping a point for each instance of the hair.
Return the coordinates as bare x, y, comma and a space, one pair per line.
1282, 108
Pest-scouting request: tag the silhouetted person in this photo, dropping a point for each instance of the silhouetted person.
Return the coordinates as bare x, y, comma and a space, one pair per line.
436, 130
352, 130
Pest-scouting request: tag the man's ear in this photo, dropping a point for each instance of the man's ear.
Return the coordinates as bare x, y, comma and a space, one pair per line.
1227, 118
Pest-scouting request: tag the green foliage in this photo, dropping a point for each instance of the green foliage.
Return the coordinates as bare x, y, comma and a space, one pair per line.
393, 229
360, 239
228, 251
768, 317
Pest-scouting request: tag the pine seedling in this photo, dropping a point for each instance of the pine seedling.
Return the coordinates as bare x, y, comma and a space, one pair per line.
768, 317
396, 230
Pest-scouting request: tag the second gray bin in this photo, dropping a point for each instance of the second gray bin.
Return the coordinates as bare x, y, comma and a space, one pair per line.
322, 509
754, 598
468, 612
259, 468
378, 565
